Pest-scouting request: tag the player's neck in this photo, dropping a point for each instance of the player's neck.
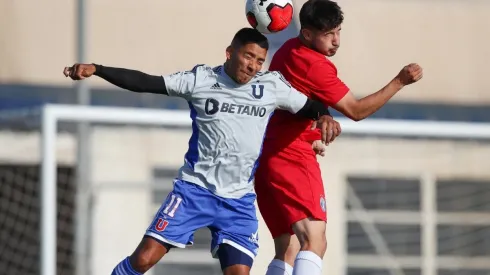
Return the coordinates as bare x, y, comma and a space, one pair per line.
303, 41
227, 69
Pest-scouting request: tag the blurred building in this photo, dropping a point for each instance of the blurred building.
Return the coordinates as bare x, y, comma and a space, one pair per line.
427, 200
448, 38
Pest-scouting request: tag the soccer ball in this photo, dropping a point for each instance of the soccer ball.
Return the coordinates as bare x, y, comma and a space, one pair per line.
269, 16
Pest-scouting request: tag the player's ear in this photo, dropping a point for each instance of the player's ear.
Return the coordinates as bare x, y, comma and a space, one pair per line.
229, 51
307, 34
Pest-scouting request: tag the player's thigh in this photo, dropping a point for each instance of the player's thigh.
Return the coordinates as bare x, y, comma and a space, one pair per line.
148, 253
187, 208
311, 234
237, 270
235, 229
234, 261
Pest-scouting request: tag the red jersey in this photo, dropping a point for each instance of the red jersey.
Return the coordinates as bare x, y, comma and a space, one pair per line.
315, 76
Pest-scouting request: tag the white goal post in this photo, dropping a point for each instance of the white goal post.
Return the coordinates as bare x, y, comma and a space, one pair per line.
52, 114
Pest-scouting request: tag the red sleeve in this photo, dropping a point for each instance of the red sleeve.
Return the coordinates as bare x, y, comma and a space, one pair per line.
326, 86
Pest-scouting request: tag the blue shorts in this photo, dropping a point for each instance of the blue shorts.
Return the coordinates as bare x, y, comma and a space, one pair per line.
190, 207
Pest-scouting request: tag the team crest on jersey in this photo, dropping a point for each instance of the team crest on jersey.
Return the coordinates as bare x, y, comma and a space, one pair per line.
323, 204
258, 91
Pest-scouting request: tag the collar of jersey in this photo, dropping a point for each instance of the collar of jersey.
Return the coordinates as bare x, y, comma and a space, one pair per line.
300, 44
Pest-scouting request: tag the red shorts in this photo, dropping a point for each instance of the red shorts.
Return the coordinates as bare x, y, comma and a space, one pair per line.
288, 190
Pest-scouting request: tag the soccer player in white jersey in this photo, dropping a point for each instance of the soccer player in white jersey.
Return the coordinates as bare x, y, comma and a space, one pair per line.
230, 108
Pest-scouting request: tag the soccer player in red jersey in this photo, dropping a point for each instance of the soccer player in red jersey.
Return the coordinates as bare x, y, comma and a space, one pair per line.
288, 182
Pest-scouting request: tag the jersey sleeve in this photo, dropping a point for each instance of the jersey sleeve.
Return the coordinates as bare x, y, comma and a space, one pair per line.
182, 83
326, 86
287, 97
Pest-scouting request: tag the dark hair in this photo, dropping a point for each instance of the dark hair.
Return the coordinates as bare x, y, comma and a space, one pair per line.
249, 35
322, 15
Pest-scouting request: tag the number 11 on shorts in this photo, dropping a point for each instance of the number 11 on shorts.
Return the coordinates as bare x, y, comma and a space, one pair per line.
172, 206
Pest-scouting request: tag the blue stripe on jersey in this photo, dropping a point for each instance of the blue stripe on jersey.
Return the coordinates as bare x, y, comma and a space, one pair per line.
256, 164
192, 154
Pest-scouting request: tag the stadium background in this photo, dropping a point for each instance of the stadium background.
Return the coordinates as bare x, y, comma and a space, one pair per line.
132, 167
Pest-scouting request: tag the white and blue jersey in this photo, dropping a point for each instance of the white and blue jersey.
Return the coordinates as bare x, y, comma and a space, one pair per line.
214, 187
228, 125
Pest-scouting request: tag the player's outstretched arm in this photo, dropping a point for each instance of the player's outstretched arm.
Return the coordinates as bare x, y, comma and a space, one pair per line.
358, 109
131, 80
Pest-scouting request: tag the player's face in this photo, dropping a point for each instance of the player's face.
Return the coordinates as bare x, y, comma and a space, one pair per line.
324, 42
245, 61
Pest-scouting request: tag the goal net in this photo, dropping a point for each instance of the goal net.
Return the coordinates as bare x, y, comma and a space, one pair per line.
20, 218
403, 197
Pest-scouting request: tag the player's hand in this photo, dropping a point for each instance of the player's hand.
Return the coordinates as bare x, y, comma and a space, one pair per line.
79, 71
318, 147
410, 74
329, 127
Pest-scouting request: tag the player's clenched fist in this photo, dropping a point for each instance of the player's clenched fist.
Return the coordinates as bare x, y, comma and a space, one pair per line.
79, 71
410, 74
